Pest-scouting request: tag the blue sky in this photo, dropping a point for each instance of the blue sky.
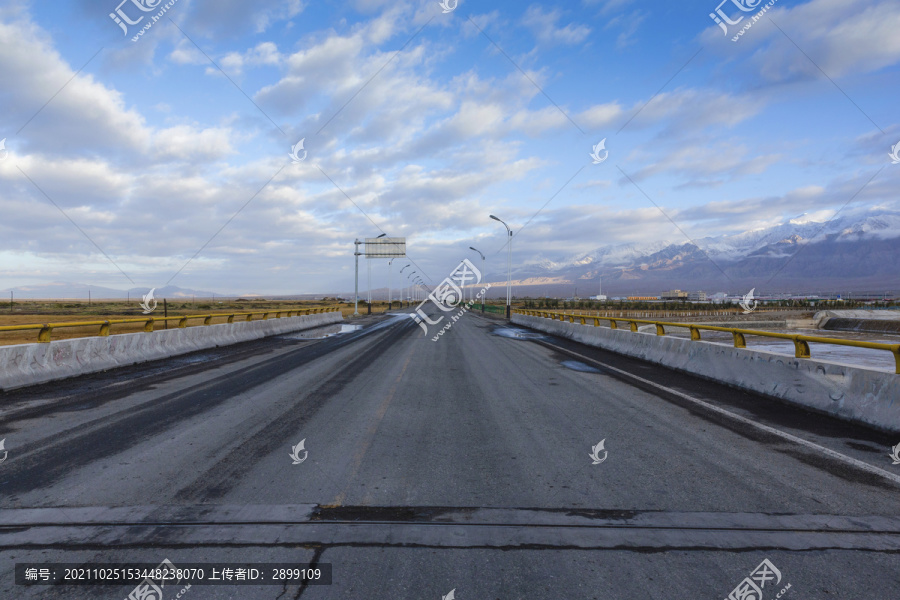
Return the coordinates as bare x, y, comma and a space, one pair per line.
491, 108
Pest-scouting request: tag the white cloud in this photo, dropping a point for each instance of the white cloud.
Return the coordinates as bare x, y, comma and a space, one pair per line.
841, 38
187, 142
78, 112
545, 28
708, 160
427, 147
224, 19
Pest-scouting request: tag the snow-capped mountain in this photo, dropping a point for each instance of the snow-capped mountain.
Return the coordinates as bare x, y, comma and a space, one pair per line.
848, 253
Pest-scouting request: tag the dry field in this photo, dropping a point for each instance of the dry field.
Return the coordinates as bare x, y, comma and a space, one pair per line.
38, 312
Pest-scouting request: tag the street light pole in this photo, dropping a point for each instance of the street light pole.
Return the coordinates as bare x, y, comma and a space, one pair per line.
390, 296
401, 295
369, 294
483, 277
508, 267
356, 293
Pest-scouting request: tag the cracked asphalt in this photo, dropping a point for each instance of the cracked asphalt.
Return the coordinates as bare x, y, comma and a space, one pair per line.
462, 464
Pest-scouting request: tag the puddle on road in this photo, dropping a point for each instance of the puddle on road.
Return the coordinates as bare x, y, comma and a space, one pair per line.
579, 366
322, 332
516, 333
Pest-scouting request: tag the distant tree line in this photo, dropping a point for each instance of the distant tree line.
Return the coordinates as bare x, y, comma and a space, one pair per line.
557, 304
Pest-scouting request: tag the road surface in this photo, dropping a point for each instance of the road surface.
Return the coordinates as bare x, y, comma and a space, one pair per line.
462, 464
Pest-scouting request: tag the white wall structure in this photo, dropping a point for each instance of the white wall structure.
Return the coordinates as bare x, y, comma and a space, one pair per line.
851, 393
29, 364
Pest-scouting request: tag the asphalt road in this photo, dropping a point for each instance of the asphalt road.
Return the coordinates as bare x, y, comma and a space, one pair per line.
459, 464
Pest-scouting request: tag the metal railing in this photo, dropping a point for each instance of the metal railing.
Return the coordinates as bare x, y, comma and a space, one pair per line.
45, 329
801, 342
622, 314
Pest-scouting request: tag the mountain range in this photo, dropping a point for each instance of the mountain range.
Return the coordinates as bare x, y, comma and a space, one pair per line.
845, 254
78, 291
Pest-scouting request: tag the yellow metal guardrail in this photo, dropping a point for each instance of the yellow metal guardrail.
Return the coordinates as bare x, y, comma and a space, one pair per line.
45, 329
801, 342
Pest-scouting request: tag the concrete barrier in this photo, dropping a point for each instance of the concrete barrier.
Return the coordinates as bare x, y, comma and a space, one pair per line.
29, 364
847, 392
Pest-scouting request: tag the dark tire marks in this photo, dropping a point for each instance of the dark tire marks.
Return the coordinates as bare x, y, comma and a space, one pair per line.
228, 472
41, 463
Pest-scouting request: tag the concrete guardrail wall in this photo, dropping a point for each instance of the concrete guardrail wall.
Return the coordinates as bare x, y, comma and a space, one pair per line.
850, 393
29, 364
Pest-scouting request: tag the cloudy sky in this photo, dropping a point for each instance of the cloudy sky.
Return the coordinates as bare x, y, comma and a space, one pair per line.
165, 160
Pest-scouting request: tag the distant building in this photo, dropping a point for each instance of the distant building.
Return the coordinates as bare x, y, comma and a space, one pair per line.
598, 297
697, 297
674, 295
642, 298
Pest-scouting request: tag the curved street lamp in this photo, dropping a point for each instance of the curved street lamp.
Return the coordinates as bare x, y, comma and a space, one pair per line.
508, 266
